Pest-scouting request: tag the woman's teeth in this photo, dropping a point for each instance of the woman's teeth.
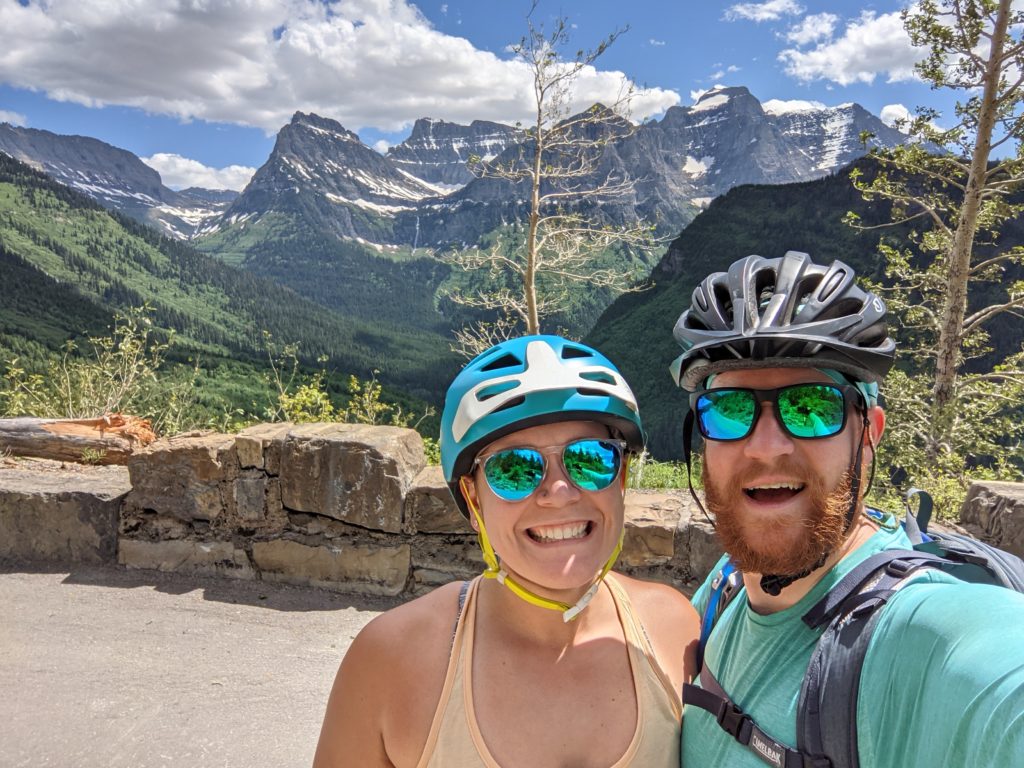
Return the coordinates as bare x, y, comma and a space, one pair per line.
544, 533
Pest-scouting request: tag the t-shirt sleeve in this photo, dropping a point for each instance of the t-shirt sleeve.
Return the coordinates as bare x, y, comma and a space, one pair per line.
943, 680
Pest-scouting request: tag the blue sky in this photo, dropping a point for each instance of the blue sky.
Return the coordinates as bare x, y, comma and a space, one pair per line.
199, 89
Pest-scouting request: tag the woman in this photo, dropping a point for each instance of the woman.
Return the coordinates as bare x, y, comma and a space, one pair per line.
547, 659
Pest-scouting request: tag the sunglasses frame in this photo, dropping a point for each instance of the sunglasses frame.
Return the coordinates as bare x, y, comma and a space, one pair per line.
848, 392
621, 447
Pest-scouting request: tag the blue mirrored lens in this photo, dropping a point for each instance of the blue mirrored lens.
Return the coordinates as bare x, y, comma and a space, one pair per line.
727, 414
811, 410
592, 464
515, 473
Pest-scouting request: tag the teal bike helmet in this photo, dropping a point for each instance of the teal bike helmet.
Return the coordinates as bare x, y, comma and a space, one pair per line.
527, 382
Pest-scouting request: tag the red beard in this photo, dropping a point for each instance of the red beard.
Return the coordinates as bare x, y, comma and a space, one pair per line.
782, 545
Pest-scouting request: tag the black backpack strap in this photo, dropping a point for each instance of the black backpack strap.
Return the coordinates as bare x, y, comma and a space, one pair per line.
890, 565
827, 708
710, 697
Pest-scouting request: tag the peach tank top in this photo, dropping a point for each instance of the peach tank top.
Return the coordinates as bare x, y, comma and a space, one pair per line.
455, 740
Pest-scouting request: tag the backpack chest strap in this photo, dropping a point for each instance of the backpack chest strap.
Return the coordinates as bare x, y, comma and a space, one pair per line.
710, 697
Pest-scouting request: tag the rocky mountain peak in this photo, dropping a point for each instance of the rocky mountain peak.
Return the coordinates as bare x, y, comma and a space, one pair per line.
437, 151
324, 124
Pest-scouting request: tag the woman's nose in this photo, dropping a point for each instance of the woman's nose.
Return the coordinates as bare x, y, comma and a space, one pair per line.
556, 488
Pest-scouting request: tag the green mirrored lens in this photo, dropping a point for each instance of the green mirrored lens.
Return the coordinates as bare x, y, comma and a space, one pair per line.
726, 414
811, 410
514, 474
592, 464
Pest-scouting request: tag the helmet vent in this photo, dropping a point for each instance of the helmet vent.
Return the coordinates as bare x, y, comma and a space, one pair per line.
496, 389
599, 376
723, 299
515, 401
591, 392
843, 308
569, 352
505, 361
806, 291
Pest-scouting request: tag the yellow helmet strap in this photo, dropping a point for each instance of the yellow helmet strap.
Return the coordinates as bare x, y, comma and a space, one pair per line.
495, 571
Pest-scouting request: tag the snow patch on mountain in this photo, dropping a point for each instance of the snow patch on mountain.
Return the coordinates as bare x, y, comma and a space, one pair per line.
779, 107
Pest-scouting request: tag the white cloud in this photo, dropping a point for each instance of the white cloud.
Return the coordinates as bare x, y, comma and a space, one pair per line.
813, 28
14, 118
366, 63
695, 95
732, 68
772, 10
179, 172
870, 46
892, 112
382, 146
656, 43
717, 75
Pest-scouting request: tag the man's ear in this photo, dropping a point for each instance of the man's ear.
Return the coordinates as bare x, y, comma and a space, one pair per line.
468, 488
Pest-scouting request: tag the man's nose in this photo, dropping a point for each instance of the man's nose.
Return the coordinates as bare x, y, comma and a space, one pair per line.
768, 440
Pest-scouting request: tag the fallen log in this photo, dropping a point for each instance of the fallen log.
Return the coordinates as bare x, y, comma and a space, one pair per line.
110, 439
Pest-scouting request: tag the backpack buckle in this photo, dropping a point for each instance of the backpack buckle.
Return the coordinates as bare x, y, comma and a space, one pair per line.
900, 569
735, 722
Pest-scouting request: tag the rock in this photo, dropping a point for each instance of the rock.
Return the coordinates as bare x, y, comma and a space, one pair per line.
377, 570
994, 513
436, 560
651, 521
696, 540
61, 517
210, 558
429, 507
253, 445
352, 472
184, 476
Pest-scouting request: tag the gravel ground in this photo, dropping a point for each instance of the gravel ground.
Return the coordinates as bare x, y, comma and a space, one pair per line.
106, 667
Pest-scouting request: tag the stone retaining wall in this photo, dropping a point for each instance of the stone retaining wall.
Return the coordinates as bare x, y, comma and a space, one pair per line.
344, 506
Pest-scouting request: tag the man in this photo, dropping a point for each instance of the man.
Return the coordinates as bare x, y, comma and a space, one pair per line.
781, 359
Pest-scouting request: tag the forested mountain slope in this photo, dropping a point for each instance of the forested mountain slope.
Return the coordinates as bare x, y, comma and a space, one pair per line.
636, 330
67, 265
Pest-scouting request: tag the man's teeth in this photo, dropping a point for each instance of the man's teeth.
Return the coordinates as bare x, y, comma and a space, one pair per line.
559, 532
775, 486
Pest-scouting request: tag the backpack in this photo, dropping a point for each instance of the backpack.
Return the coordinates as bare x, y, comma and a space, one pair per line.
827, 707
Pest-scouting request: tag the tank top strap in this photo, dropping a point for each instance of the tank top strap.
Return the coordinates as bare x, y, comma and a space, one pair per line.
631, 625
453, 678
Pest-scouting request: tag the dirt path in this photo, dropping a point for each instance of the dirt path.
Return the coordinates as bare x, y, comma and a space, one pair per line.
108, 668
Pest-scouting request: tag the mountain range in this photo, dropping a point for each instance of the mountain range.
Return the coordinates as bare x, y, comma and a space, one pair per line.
421, 193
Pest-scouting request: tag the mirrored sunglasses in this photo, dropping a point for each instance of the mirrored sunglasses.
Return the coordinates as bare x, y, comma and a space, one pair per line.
590, 464
805, 411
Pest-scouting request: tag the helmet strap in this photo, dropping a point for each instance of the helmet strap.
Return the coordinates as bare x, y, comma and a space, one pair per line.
496, 572
688, 456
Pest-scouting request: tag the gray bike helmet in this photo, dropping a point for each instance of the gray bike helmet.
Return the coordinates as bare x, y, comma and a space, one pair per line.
782, 313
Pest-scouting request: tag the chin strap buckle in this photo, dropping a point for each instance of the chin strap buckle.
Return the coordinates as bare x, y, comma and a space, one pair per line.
582, 603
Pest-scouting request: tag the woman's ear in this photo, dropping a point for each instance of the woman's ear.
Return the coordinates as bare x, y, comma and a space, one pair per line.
468, 488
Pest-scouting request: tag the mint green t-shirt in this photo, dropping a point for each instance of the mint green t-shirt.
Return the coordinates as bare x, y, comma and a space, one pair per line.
942, 683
